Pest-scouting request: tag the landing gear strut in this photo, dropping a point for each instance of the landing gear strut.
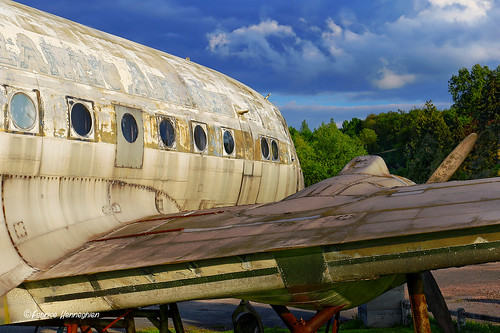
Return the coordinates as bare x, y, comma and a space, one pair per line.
418, 303
246, 319
312, 325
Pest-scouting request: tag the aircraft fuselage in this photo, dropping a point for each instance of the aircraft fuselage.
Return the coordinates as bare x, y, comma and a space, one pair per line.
96, 131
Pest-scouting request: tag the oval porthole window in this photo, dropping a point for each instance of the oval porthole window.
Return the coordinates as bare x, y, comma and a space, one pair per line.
167, 132
274, 150
129, 128
200, 138
81, 120
22, 111
228, 142
264, 147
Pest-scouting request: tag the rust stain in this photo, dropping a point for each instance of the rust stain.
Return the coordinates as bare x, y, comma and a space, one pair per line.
139, 235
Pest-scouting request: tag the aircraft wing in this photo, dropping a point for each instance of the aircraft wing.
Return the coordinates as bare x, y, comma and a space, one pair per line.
342, 242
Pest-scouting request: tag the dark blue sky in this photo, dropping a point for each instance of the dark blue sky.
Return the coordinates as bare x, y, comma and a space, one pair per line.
319, 59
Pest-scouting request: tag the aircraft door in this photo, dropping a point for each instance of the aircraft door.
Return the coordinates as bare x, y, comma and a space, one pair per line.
129, 137
250, 181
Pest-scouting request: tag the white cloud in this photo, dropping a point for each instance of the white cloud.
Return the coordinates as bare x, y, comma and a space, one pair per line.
333, 29
285, 52
266, 28
468, 11
251, 41
390, 80
429, 43
332, 37
217, 40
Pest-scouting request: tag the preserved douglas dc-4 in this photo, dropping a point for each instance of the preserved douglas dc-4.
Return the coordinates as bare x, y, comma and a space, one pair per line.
130, 177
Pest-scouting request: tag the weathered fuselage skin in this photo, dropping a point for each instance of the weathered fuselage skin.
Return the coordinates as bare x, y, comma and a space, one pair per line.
90, 201
60, 189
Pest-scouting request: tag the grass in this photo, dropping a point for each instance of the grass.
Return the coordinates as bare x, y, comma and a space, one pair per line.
356, 326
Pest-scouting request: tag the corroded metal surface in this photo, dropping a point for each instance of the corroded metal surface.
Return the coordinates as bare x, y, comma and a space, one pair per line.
312, 325
116, 218
62, 188
418, 303
467, 211
259, 253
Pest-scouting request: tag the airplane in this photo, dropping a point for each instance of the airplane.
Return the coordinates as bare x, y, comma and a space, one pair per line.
131, 178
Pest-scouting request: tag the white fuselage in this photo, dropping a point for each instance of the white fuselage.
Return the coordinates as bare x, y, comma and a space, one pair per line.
96, 131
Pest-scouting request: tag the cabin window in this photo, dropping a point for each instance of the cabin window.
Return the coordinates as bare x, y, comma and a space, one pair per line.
200, 138
23, 111
129, 128
228, 142
167, 132
275, 151
264, 147
81, 120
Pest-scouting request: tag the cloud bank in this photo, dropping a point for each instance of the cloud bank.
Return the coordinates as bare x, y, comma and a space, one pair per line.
400, 56
365, 55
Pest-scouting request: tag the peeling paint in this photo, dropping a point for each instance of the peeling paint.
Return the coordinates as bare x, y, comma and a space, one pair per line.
61, 188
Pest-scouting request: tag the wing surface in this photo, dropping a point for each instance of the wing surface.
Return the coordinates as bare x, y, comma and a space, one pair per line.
359, 215
341, 242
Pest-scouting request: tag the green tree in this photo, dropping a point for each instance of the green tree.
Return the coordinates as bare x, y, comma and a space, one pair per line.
476, 95
325, 151
431, 141
305, 131
352, 127
414, 143
393, 132
312, 170
369, 138
335, 149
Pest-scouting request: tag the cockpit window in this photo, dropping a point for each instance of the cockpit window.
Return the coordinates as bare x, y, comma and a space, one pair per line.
81, 120
22, 111
200, 138
129, 127
275, 150
228, 142
167, 132
264, 147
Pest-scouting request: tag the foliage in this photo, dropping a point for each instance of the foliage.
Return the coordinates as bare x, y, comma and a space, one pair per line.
476, 95
368, 137
324, 151
414, 143
429, 143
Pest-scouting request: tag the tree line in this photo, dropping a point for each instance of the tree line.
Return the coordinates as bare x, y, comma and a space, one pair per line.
413, 143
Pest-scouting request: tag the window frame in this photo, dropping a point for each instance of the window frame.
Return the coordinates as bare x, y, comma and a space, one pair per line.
270, 141
11, 124
224, 152
173, 122
271, 153
204, 126
268, 157
73, 134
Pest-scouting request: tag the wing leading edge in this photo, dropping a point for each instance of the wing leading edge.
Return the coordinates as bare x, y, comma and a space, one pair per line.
342, 242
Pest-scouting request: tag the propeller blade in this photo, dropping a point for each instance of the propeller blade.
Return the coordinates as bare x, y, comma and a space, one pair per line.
451, 163
436, 303
443, 173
